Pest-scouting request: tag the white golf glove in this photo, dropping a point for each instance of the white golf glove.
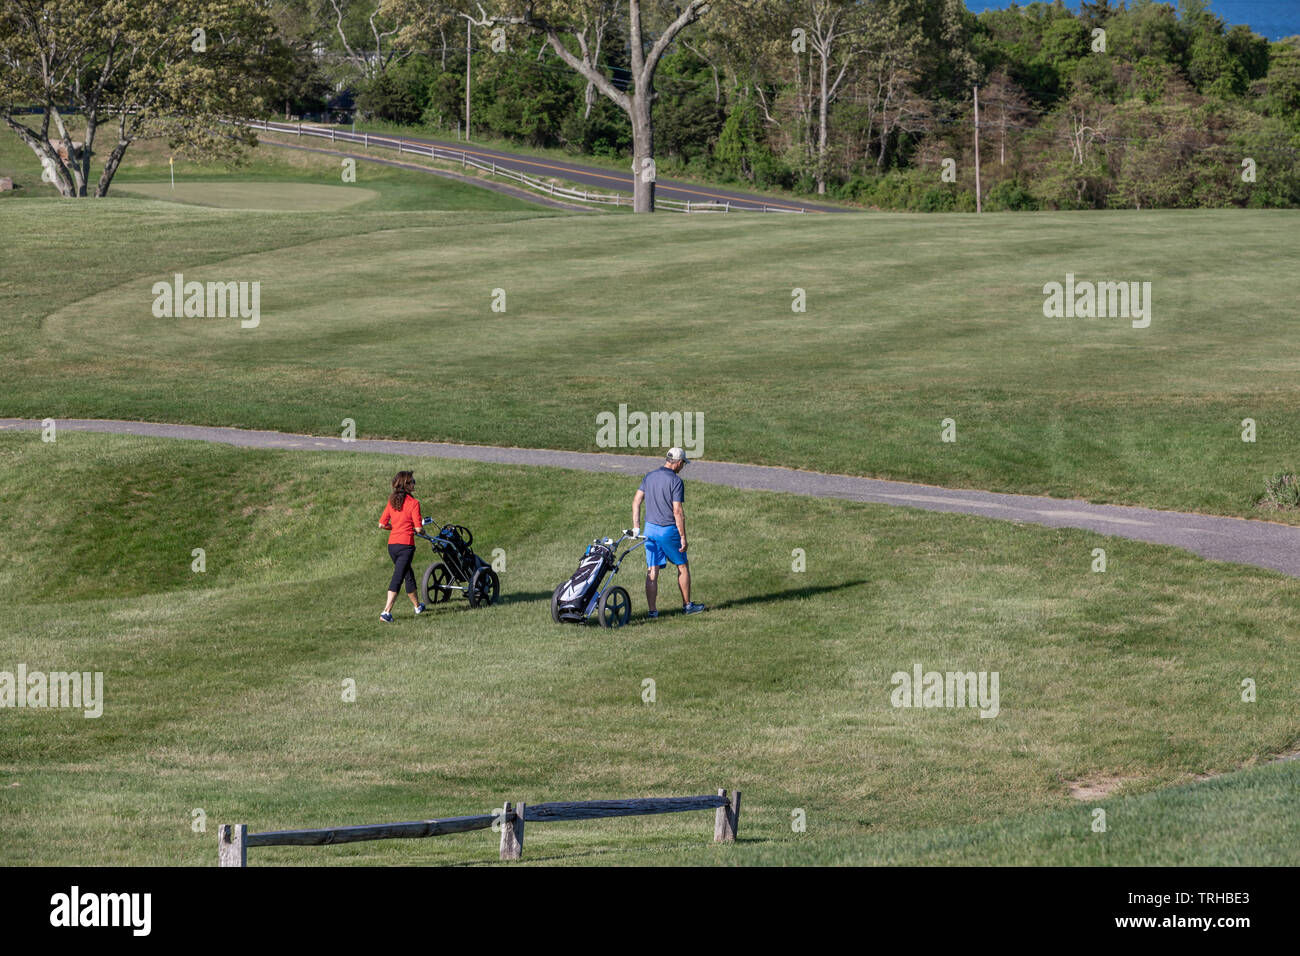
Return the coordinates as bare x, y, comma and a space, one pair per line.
636, 532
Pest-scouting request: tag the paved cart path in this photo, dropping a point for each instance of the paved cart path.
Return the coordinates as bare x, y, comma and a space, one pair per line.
1237, 540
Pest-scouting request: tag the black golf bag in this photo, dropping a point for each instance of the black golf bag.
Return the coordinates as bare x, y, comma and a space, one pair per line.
577, 593
456, 552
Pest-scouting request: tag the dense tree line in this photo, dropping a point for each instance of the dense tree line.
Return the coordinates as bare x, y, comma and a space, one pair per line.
1135, 104
1122, 103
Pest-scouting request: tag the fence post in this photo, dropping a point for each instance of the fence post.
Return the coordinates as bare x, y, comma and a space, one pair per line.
726, 820
231, 847
512, 834
300, 127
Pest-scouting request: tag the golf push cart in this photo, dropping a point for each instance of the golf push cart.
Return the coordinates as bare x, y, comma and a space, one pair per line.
589, 590
458, 569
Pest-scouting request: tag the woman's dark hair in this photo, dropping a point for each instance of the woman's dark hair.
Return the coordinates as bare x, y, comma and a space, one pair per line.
403, 485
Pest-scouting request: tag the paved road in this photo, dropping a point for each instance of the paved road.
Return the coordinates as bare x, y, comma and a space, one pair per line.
1238, 540
602, 179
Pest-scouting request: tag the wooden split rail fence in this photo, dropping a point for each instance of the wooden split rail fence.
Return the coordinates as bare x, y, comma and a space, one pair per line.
235, 840
466, 160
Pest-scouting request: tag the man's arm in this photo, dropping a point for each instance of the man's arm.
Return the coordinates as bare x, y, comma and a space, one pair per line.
679, 518
636, 509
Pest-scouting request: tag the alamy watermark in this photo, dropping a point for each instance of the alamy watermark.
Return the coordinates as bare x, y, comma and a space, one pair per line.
922, 688
1098, 300
82, 690
179, 299
130, 910
651, 430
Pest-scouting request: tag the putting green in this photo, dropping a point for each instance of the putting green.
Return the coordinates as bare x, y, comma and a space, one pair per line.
308, 197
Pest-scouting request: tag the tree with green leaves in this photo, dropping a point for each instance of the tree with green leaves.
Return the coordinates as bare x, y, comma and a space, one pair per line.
186, 70
367, 31
583, 23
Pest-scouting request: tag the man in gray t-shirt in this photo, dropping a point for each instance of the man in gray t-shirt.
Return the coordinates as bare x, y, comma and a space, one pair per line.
664, 495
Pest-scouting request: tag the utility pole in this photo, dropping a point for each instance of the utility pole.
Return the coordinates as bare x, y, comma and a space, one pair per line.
979, 206
468, 24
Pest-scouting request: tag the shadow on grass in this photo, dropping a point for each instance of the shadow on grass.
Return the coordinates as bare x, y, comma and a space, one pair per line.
458, 603
793, 594
611, 851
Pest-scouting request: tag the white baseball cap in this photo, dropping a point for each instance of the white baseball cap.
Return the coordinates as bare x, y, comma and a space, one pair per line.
677, 454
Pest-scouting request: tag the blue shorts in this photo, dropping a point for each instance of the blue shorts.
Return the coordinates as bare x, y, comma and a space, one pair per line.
662, 544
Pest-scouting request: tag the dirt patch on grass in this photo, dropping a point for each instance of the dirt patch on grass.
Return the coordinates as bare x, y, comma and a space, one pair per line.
1096, 788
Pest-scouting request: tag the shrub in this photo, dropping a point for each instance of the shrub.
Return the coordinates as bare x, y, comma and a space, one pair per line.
1010, 196
1281, 492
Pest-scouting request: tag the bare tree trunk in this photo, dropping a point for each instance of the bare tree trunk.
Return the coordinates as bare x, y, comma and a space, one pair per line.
821, 127
92, 126
49, 158
591, 87
1002, 153
637, 105
73, 165
110, 168
643, 152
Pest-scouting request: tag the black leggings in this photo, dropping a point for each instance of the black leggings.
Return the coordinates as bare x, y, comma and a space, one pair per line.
402, 555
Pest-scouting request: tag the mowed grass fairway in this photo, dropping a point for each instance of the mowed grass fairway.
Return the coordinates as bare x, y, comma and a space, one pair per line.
385, 317
223, 690
269, 179
307, 197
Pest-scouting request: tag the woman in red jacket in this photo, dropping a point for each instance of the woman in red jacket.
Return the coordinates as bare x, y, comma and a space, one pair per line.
400, 519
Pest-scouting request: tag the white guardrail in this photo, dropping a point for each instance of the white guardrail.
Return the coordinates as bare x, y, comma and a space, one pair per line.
551, 189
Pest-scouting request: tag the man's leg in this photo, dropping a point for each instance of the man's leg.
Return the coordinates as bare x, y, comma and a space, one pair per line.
684, 582
651, 588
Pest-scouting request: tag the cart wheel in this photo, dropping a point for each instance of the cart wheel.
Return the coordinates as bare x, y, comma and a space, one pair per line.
484, 587
555, 603
434, 585
615, 608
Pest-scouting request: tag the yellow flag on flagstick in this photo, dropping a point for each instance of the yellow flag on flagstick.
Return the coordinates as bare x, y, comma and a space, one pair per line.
171, 164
